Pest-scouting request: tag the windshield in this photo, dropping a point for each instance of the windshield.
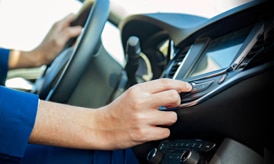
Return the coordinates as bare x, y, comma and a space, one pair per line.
29, 20
205, 8
24, 23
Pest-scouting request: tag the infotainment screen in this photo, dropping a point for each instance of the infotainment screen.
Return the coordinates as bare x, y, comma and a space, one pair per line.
219, 53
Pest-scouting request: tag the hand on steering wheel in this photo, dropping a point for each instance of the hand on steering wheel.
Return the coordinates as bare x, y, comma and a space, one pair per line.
63, 74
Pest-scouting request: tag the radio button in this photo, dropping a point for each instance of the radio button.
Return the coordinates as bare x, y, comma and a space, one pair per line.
199, 87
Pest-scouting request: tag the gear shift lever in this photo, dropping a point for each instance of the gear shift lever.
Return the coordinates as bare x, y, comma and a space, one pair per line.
133, 50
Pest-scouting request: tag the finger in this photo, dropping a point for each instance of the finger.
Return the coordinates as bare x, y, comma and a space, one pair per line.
74, 31
164, 84
169, 98
157, 133
70, 32
162, 118
68, 19
64, 22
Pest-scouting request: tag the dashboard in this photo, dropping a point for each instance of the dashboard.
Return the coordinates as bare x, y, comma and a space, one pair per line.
207, 53
228, 59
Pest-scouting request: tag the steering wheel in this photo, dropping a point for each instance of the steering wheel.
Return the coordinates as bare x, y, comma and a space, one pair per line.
63, 74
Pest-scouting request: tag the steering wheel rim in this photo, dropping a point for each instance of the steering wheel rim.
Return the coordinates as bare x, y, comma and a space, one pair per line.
60, 88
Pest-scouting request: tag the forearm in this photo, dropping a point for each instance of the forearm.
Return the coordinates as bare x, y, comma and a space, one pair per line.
23, 59
64, 125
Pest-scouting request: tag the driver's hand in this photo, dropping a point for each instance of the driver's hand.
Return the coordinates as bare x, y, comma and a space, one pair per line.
134, 118
56, 38
49, 48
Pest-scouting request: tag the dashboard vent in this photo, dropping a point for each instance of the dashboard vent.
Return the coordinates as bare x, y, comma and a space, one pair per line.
177, 62
260, 51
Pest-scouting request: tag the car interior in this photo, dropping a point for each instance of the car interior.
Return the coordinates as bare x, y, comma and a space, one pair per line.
228, 59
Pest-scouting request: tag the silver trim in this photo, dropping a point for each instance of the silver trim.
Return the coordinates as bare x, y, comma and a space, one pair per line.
258, 29
236, 78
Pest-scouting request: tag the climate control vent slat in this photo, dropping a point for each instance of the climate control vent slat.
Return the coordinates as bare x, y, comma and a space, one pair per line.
177, 62
259, 53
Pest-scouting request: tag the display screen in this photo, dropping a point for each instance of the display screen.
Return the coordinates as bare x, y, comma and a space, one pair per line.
219, 54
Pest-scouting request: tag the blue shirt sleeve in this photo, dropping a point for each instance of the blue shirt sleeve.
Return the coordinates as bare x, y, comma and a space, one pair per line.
55, 155
4, 57
17, 116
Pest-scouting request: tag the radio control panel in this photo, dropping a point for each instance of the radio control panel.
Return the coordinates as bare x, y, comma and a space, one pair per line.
180, 152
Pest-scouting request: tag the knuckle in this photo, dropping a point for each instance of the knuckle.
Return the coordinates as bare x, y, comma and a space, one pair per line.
132, 89
67, 32
139, 118
136, 87
165, 82
133, 92
57, 42
173, 95
56, 24
139, 134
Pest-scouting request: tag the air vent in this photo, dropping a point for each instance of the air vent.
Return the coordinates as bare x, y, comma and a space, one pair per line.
177, 62
260, 51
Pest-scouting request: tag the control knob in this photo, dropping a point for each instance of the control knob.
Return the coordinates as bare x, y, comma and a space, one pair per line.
155, 156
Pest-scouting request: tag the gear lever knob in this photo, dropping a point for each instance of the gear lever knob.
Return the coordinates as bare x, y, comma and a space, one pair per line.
133, 50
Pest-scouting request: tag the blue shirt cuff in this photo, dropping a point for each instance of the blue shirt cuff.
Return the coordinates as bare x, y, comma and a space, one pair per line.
4, 57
